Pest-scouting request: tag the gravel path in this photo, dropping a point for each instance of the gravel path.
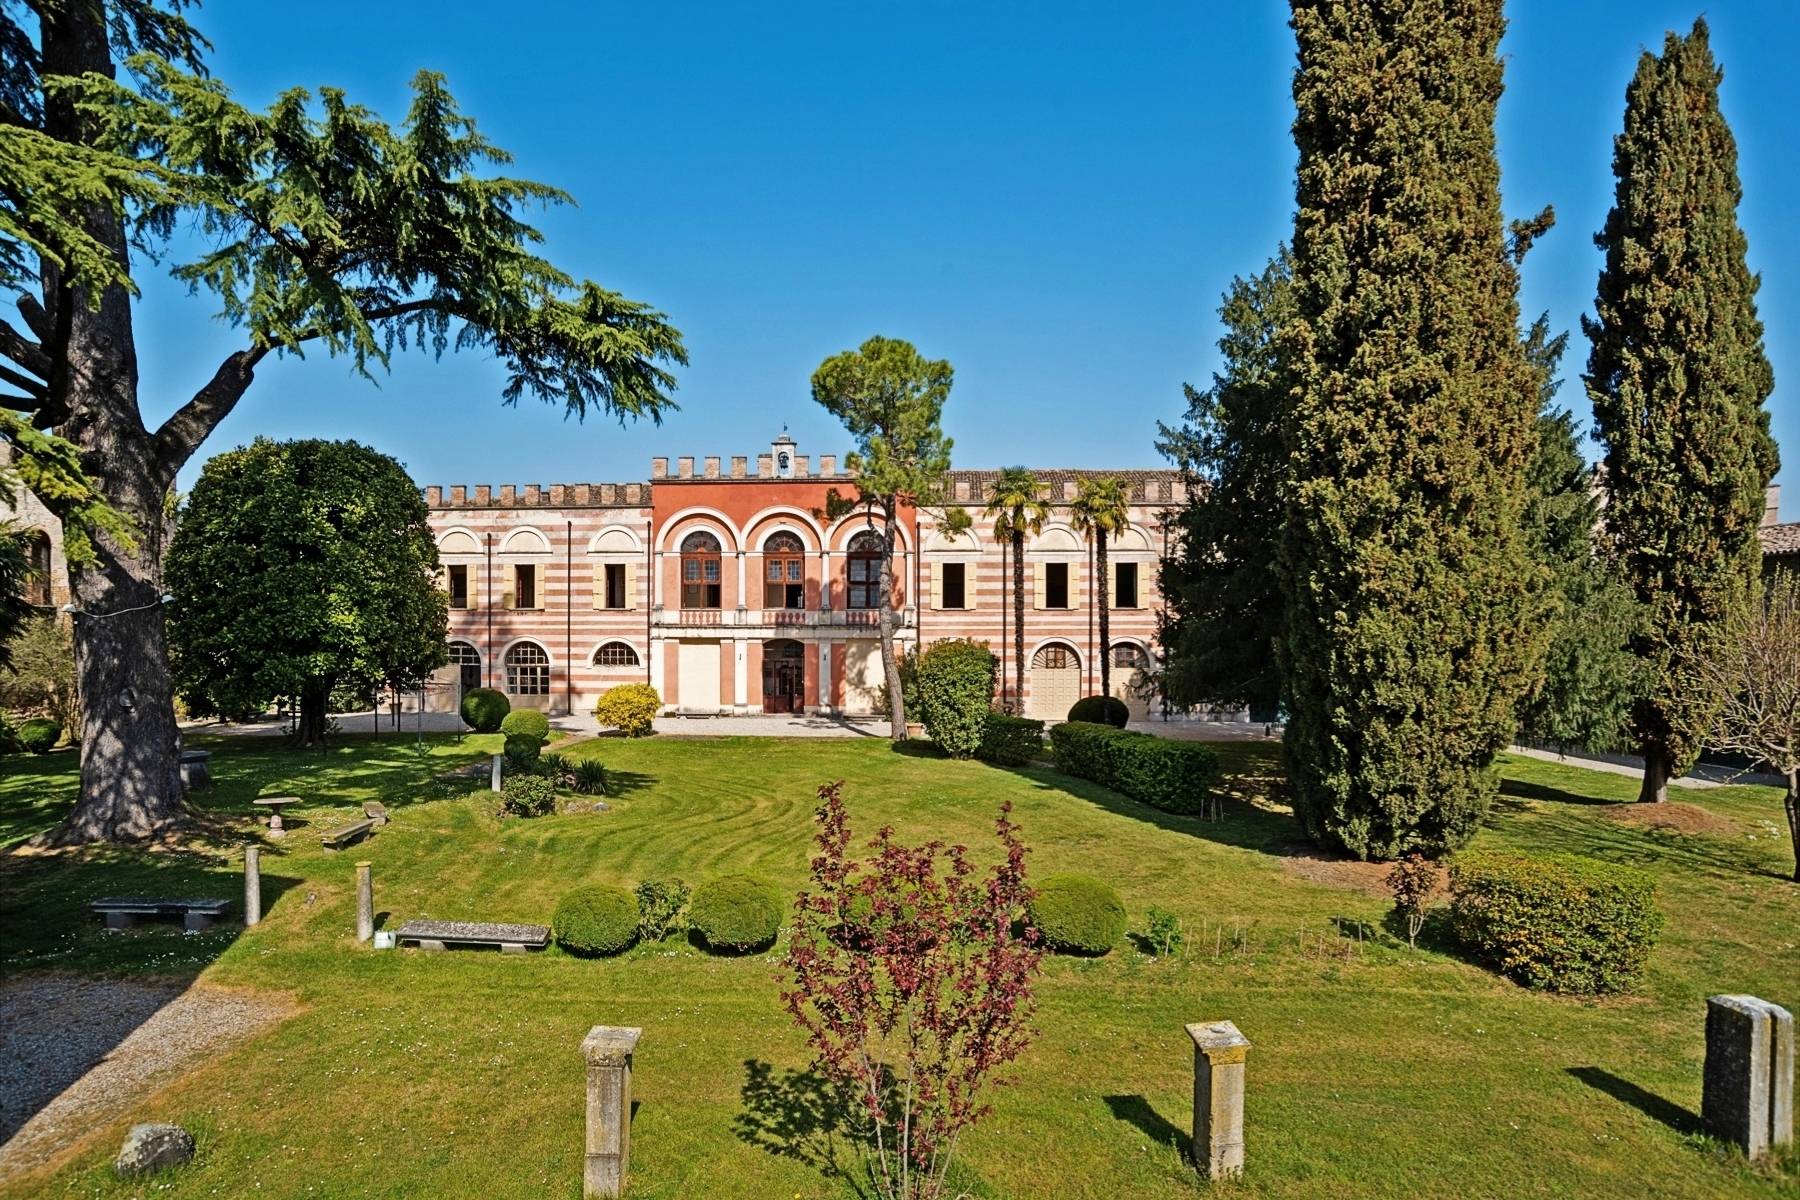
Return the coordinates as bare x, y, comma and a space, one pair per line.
77, 1054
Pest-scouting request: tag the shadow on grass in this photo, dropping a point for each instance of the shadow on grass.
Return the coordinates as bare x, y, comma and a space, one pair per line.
1520, 789
917, 747
797, 1115
1136, 1110
1650, 1104
620, 784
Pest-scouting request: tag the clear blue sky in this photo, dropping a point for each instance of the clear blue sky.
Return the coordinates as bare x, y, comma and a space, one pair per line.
1052, 196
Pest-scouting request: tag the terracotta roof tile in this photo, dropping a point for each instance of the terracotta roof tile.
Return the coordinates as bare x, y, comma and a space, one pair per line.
1780, 541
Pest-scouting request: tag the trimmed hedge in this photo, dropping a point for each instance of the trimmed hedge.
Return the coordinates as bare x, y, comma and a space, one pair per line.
631, 707
523, 749
1078, 914
484, 708
1174, 776
527, 795
1101, 710
39, 735
596, 920
1562, 923
526, 722
956, 690
736, 913
1010, 741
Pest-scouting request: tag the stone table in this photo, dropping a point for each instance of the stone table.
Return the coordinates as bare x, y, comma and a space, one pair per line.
275, 804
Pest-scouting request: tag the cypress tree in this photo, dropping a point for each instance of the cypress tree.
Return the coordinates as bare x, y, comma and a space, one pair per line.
1414, 614
1678, 377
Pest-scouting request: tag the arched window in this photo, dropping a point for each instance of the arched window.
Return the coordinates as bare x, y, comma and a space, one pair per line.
784, 571
468, 665
37, 561
615, 654
700, 570
1054, 657
528, 670
1131, 657
863, 560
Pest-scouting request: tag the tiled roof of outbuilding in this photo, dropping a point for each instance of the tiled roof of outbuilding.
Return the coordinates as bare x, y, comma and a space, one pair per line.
1780, 541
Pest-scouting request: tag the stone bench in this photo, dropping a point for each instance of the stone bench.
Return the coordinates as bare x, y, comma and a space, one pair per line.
441, 935
376, 811
196, 770
337, 839
122, 912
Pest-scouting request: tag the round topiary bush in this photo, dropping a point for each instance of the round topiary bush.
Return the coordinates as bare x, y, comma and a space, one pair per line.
527, 796
631, 707
596, 920
484, 708
1077, 914
1101, 710
736, 914
39, 735
526, 722
523, 750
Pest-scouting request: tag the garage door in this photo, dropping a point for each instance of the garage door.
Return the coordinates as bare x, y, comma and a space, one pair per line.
1128, 666
863, 676
1055, 683
697, 688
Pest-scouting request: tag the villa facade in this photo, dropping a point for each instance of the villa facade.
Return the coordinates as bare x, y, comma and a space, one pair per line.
732, 589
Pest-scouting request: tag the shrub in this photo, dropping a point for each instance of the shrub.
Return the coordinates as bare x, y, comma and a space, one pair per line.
1174, 776
1164, 932
1077, 914
1562, 923
526, 722
596, 920
9, 737
1412, 882
484, 708
39, 735
660, 904
590, 777
1101, 710
956, 690
1010, 741
524, 750
527, 796
736, 913
557, 768
631, 707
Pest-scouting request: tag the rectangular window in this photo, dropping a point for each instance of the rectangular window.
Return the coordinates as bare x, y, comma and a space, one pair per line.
615, 586
459, 587
1056, 585
955, 593
1125, 585
525, 586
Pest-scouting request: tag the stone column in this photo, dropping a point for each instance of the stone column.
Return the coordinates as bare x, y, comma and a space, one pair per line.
365, 902
252, 885
1219, 1053
608, 1050
1747, 1096
494, 774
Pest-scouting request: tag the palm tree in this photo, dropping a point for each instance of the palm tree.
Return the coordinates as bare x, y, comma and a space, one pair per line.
1018, 508
1101, 508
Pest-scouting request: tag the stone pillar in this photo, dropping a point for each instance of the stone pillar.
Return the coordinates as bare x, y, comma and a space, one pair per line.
365, 902
1219, 1053
494, 774
1747, 1096
608, 1050
252, 885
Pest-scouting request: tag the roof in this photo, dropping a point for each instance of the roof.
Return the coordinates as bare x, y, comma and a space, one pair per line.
1780, 541
1056, 480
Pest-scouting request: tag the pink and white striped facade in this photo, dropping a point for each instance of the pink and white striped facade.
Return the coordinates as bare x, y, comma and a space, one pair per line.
728, 588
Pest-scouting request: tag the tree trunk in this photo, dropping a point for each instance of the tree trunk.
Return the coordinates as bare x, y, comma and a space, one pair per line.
889, 662
1656, 774
1791, 802
1018, 570
315, 703
1102, 591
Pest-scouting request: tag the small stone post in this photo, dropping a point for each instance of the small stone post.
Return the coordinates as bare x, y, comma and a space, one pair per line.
252, 885
1219, 1054
1747, 1095
365, 902
608, 1050
494, 779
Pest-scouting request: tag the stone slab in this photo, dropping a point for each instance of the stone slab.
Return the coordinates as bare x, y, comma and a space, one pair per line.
439, 935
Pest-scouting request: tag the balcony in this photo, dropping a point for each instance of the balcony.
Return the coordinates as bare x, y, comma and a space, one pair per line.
774, 621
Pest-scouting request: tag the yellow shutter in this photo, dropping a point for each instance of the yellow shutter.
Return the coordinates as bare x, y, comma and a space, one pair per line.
508, 575
543, 600
631, 585
599, 585
1037, 575
1074, 585
937, 584
474, 587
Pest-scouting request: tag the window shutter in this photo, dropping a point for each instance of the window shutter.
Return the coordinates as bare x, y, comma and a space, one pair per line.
474, 587
1074, 585
538, 573
508, 574
631, 585
1037, 573
599, 585
937, 585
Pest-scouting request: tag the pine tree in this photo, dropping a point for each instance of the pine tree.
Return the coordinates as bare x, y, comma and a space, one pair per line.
1413, 612
1678, 377
1224, 604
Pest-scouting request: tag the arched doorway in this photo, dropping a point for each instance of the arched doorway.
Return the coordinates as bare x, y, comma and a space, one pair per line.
1130, 667
468, 669
1055, 682
784, 676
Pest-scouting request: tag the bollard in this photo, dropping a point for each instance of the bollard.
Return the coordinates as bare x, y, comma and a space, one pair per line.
365, 902
494, 780
1219, 1053
608, 1050
1747, 1092
252, 885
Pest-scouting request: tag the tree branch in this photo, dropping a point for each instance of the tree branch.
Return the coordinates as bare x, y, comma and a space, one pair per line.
24, 351
190, 424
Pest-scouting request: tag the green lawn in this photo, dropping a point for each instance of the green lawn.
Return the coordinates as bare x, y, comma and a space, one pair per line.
1377, 1071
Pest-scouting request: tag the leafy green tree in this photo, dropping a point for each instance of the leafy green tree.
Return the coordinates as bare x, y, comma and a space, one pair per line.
40, 658
1590, 674
1224, 612
1678, 377
1414, 618
1100, 510
891, 399
326, 228
299, 567
1019, 510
